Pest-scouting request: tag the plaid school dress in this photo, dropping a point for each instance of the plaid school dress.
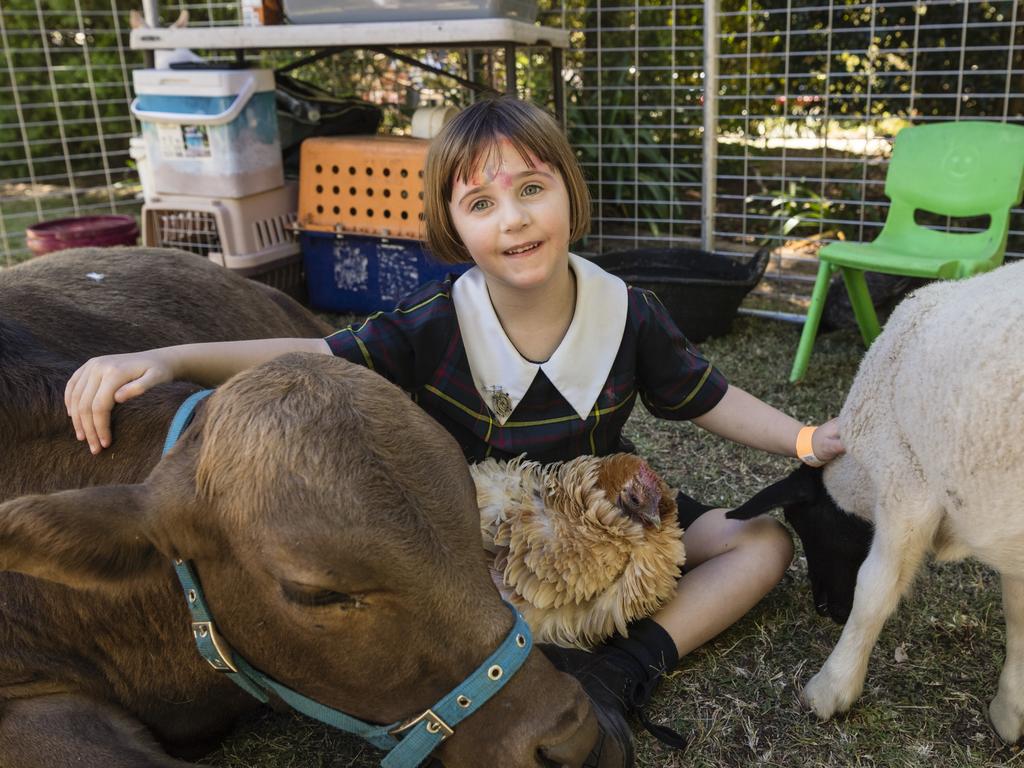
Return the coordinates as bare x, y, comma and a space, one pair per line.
621, 344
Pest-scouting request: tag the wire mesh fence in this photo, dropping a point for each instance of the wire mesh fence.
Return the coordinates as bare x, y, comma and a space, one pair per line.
64, 120
812, 95
809, 97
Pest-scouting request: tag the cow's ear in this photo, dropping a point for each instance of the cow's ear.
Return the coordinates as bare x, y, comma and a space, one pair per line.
181, 522
87, 538
800, 486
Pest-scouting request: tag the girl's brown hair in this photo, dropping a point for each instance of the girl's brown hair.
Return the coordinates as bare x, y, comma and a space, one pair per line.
469, 138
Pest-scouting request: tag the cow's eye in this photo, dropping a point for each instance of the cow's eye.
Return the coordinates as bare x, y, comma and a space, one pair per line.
313, 597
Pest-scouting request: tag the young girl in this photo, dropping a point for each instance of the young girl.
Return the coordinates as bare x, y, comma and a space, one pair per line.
534, 351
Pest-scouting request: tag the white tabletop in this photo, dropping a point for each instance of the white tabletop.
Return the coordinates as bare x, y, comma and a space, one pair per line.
402, 34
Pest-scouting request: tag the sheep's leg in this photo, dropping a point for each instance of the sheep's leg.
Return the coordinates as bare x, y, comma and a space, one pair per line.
897, 550
58, 730
1007, 708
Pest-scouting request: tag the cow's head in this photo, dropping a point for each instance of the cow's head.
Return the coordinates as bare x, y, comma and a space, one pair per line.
334, 528
835, 543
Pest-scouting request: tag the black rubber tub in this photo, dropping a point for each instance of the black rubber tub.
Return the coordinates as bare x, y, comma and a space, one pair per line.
701, 290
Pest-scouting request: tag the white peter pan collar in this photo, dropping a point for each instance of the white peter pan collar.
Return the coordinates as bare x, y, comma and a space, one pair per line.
579, 366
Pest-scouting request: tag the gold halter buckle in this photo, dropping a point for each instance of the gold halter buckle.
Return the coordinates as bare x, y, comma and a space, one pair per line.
435, 725
204, 629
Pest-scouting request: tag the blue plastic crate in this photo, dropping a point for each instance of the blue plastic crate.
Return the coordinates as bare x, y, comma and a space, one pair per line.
358, 273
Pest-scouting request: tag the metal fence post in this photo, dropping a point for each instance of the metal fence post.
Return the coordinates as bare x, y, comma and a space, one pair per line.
151, 12
710, 143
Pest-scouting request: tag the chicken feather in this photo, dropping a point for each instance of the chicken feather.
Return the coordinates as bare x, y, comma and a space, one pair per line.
581, 547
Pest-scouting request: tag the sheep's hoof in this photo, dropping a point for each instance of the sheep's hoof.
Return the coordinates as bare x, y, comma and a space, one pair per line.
1007, 718
826, 696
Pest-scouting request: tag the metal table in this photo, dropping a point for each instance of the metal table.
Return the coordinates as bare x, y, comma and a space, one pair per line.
383, 37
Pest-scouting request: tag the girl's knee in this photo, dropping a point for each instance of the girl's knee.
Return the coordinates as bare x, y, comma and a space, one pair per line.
771, 541
762, 538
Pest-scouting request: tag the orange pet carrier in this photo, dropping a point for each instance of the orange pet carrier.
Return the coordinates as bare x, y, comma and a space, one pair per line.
366, 185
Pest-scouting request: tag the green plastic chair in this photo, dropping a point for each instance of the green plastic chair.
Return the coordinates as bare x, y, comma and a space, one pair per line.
960, 169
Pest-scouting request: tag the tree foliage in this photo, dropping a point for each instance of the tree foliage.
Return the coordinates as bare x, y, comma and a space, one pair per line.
634, 85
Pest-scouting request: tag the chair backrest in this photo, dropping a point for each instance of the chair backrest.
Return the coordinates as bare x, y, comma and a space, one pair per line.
967, 168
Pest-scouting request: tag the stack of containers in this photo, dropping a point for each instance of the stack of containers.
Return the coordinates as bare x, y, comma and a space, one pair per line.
361, 216
214, 161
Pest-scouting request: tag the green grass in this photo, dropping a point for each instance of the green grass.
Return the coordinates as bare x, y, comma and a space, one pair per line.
737, 697
21, 206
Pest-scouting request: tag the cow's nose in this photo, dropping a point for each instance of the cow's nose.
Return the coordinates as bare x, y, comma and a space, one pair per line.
572, 752
607, 745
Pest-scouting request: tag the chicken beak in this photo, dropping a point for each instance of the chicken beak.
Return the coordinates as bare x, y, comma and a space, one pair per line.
649, 515
641, 507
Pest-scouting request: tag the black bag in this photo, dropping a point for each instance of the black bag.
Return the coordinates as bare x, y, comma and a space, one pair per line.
305, 110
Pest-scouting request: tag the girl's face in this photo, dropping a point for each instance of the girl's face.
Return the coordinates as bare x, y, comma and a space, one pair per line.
513, 218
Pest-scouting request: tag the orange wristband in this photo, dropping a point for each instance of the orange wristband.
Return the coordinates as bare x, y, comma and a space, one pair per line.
805, 447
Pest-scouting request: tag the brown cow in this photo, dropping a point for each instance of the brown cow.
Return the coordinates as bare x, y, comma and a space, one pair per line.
333, 525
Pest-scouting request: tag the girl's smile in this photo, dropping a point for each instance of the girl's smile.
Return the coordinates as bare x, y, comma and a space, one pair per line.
522, 250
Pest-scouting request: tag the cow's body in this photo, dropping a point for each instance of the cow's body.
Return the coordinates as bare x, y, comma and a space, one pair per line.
94, 631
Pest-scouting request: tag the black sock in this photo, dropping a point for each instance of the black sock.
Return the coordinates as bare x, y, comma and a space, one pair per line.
650, 653
649, 644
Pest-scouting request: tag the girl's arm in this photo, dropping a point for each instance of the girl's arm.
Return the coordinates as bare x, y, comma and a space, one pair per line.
742, 418
94, 388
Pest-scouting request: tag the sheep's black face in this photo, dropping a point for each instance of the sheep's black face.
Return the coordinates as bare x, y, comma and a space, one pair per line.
835, 543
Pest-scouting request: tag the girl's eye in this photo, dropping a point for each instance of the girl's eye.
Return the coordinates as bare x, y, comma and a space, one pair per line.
532, 189
480, 205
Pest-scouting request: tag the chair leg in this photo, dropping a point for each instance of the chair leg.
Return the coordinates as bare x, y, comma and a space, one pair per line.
810, 331
860, 300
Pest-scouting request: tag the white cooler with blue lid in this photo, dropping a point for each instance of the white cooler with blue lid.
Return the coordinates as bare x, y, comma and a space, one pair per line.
209, 132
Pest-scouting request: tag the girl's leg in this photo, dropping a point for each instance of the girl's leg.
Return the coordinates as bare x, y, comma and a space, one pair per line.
730, 566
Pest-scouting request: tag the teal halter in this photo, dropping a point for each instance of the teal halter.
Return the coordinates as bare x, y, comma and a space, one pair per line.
410, 741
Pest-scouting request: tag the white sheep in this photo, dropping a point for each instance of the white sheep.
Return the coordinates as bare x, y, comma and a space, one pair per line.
933, 427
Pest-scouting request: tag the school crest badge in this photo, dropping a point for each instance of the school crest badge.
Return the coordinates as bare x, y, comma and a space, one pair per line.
501, 403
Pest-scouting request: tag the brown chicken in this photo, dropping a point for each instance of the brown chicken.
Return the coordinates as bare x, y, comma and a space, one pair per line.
581, 548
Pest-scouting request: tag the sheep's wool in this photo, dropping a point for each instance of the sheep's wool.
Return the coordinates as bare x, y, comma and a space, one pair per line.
932, 428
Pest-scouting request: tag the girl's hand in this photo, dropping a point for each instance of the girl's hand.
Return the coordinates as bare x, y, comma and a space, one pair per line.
826, 442
94, 388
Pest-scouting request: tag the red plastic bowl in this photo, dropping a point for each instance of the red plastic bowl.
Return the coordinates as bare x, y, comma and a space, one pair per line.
81, 232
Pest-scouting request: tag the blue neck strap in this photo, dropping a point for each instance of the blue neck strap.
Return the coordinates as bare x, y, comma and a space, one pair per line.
410, 741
